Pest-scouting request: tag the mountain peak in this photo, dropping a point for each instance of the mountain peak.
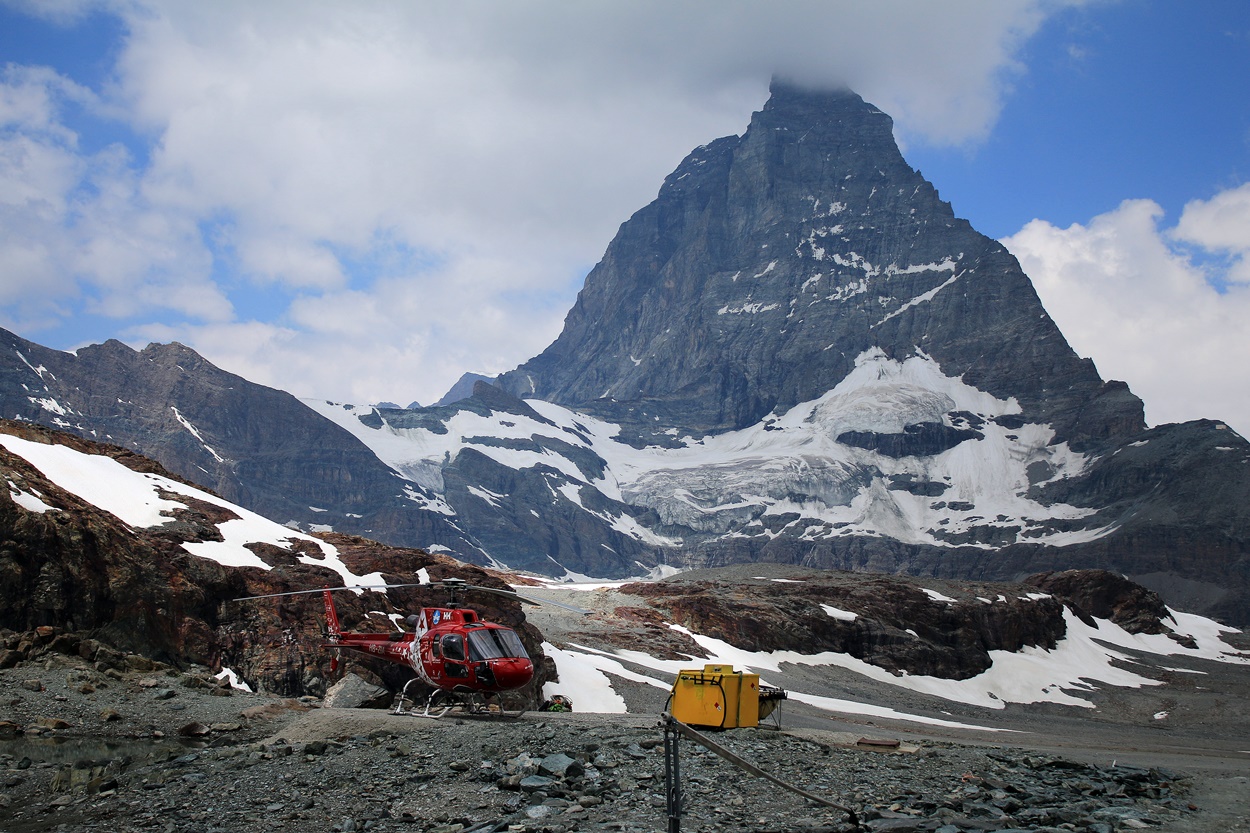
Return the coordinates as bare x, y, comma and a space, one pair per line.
786, 95
770, 261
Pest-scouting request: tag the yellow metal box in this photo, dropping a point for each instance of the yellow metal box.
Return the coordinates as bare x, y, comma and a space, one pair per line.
716, 697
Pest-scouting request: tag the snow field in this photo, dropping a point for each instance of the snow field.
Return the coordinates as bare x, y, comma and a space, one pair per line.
133, 498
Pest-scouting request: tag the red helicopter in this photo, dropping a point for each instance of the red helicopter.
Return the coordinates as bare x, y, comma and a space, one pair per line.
466, 661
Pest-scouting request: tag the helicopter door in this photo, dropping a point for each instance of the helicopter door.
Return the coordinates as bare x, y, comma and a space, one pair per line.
454, 656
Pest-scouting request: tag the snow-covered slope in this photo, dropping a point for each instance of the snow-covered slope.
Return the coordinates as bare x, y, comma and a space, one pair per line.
802, 473
145, 501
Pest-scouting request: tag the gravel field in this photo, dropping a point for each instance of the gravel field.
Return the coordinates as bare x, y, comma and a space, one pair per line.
155, 749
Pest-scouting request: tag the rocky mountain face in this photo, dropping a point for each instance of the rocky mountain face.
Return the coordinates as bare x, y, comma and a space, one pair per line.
770, 261
797, 354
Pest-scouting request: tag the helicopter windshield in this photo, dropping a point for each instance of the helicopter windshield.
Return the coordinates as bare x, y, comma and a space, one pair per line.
495, 643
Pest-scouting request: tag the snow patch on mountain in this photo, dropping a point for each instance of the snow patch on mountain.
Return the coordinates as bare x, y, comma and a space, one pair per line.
31, 501
195, 433
136, 499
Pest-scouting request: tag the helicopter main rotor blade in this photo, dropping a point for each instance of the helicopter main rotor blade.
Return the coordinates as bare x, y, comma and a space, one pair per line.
541, 601
381, 587
520, 597
453, 585
569, 607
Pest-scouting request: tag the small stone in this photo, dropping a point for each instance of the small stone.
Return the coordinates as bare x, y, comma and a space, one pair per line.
531, 783
510, 782
166, 694
32, 685
137, 663
523, 764
194, 729
560, 765
52, 723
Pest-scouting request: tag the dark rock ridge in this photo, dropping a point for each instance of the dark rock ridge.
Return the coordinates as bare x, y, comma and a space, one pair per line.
770, 261
891, 622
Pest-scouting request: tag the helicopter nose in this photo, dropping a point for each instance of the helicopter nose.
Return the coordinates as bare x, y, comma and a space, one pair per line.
513, 672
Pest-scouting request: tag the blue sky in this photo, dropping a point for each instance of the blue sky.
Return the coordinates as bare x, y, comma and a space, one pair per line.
361, 201
1117, 101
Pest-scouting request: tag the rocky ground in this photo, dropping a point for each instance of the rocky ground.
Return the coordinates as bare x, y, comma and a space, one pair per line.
138, 746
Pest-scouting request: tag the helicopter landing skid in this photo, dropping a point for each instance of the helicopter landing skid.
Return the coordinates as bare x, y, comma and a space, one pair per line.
472, 704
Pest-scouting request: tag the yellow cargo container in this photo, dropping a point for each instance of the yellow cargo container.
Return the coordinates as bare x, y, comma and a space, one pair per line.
719, 697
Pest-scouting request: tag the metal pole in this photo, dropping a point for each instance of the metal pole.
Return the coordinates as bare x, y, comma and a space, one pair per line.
672, 775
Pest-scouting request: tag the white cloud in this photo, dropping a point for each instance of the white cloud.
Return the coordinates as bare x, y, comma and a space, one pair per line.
1127, 294
444, 172
1221, 224
75, 223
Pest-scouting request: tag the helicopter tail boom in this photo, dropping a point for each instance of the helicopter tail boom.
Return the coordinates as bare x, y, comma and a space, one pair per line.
332, 617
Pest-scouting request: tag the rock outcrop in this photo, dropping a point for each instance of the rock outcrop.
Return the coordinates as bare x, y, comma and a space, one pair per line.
906, 626
83, 574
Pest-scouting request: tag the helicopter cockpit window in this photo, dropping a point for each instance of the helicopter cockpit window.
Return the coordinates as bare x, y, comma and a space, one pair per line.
453, 647
495, 643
